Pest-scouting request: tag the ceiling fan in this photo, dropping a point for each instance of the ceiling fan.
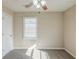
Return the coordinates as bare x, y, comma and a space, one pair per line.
38, 4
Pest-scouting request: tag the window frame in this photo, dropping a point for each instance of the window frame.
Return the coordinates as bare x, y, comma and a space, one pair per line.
30, 38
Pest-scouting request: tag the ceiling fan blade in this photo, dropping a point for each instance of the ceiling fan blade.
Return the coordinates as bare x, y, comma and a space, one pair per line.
44, 7
28, 5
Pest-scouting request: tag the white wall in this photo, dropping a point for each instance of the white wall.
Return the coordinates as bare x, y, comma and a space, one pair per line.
70, 30
50, 30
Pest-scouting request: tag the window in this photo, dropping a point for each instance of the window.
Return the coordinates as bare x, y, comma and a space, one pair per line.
30, 28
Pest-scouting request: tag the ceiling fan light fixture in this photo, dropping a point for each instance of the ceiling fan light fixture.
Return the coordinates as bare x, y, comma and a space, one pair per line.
35, 2
40, 3
43, 2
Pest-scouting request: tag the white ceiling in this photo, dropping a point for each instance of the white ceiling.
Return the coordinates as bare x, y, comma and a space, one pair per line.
53, 5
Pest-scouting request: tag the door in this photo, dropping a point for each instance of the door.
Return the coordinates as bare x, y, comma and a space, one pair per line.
7, 33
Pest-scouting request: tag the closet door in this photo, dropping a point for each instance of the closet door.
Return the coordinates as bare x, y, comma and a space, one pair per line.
7, 33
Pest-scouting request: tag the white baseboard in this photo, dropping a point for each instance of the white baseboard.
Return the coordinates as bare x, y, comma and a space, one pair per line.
52, 48
69, 52
43, 48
